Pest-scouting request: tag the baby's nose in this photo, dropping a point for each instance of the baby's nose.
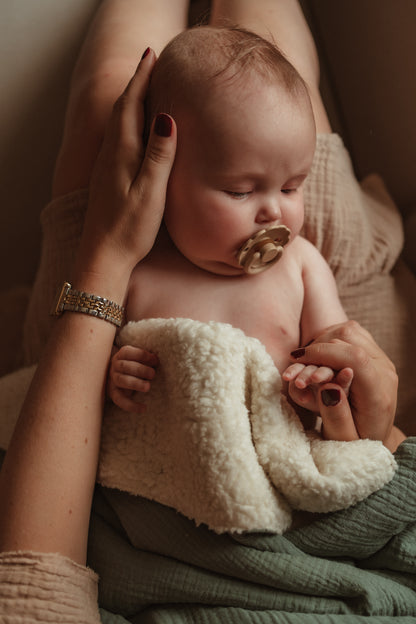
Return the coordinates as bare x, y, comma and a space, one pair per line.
269, 212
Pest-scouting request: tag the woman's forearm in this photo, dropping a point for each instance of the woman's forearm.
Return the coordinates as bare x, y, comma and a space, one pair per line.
48, 476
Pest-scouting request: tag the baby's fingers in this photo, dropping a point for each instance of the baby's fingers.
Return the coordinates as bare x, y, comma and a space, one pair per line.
292, 371
305, 398
313, 375
136, 354
130, 382
130, 369
127, 401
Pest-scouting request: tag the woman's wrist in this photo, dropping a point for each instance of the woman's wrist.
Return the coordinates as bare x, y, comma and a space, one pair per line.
102, 274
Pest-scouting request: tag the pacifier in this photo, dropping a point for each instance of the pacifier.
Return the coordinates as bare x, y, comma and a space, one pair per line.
264, 249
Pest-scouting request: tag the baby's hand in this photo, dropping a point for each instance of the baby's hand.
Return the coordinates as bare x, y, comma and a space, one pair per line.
131, 371
304, 382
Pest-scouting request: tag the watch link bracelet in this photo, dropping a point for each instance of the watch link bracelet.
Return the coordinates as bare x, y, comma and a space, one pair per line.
72, 300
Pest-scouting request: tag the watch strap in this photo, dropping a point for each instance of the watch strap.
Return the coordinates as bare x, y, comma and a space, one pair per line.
72, 300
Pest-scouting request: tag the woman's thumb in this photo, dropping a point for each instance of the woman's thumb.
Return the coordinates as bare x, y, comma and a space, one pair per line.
335, 411
162, 142
158, 161
152, 180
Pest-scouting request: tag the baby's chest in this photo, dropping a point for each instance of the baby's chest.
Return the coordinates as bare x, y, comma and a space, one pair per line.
267, 307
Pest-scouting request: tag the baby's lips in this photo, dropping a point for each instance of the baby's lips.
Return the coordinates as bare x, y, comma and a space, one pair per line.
264, 249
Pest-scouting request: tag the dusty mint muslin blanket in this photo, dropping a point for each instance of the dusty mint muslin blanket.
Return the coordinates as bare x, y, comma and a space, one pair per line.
351, 566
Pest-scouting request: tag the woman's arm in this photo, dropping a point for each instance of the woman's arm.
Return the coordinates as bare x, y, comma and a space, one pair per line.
48, 477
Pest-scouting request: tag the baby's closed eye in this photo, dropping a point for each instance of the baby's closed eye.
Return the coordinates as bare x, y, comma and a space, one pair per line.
238, 194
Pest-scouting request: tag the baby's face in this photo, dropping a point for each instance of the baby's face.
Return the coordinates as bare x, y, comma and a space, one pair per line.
239, 168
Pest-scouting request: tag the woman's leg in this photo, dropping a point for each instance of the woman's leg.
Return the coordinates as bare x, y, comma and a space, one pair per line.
118, 36
283, 22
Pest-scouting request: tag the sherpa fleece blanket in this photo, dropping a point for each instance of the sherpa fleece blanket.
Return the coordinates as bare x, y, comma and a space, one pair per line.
220, 443
354, 566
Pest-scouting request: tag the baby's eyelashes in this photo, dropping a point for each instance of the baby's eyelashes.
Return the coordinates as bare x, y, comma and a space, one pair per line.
245, 194
238, 194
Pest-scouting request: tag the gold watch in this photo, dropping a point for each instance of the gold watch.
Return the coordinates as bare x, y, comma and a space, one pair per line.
72, 300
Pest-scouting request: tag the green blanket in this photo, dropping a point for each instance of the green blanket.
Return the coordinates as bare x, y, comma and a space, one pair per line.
357, 565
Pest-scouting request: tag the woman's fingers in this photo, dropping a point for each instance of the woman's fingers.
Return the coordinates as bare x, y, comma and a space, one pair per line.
352, 333
128, 186
334, 354
344, 379
149, 187
124, 136
337, 419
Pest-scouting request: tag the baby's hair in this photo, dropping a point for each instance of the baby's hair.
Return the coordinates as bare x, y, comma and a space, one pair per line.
204, 57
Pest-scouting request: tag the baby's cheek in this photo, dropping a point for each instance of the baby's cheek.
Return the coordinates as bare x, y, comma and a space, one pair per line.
295, 219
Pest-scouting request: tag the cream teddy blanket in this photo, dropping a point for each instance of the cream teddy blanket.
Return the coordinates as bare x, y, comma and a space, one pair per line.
220, 443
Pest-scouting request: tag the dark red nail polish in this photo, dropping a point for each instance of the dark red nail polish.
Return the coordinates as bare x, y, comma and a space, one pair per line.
163, 125
145, 53
331, 397
298, 353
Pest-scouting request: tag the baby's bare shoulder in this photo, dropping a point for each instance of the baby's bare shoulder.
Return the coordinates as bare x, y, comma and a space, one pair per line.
306, 253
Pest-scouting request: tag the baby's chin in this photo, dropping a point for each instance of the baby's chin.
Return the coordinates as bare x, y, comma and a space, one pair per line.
220, 268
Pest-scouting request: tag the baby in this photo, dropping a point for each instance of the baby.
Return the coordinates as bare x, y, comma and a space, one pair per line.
246, 141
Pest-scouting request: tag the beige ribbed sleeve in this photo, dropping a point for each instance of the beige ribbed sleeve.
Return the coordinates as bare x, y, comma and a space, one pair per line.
37, 587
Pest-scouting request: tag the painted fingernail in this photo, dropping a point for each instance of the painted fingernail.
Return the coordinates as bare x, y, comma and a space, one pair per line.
145, 53
331, 397
298, 353
163, 125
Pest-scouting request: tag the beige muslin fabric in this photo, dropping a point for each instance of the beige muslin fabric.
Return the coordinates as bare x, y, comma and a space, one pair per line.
39, 587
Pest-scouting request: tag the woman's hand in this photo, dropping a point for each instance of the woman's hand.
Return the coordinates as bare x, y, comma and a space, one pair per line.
371, 407
128, 187
305, 381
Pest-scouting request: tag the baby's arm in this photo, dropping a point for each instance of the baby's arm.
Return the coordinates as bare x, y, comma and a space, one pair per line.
131, 371
321, 309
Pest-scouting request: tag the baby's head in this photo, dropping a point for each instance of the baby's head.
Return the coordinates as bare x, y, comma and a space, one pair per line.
246, 138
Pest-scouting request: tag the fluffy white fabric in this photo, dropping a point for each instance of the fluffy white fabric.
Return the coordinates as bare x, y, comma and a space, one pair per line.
219, 442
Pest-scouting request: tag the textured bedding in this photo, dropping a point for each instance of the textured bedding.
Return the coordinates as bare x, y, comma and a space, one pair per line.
156, 567
355, 565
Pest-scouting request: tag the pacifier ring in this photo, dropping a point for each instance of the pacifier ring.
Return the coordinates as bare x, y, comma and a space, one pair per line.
264, 249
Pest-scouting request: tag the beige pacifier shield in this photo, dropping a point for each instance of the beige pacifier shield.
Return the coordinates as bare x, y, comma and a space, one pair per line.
264, 249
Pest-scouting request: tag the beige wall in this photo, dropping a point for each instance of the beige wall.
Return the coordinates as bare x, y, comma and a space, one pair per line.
369, 53
39, 40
